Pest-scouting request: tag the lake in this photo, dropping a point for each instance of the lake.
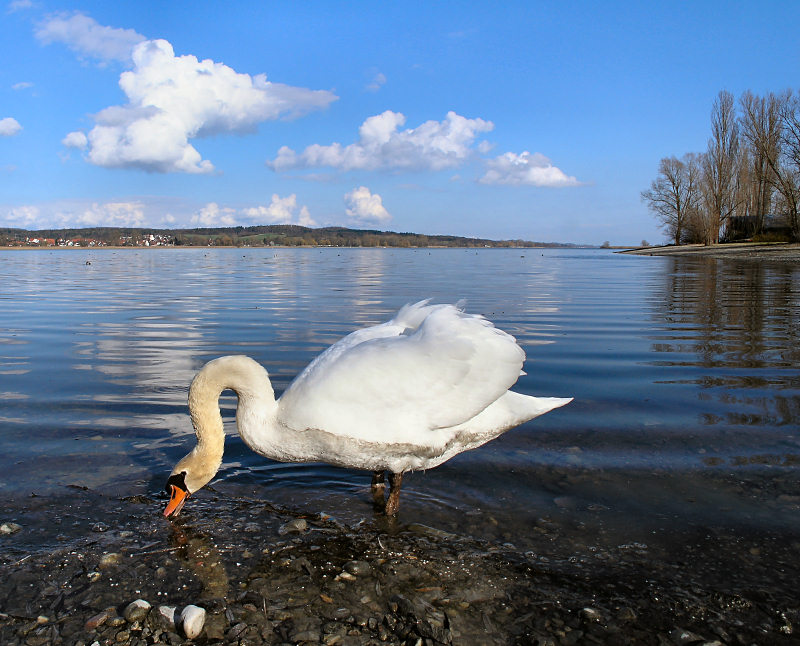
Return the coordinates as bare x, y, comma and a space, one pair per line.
685, 374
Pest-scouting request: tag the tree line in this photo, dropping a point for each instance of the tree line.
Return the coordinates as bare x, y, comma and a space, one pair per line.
259, 236
745, 185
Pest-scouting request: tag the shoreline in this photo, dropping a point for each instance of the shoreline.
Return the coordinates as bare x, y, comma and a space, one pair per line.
778, 251
268, 575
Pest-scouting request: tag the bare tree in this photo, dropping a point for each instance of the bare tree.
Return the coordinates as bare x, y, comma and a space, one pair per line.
720, 167
788, 173
761, 132
673, 195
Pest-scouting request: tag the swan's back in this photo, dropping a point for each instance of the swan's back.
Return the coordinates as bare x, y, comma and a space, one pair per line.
431, 367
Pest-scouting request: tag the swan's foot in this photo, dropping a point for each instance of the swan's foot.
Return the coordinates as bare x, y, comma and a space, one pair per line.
378, 488
393, 500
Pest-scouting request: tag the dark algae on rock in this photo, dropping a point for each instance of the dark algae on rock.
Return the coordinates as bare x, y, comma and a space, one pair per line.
235, 571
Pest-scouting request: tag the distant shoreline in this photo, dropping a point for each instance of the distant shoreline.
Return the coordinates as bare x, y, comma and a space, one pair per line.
165, 247
778, 251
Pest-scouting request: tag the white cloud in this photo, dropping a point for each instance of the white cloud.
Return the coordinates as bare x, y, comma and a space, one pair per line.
113, 214
22, 216
23, 85
434, 145
212, 215
75, 140
86, 36
377, 82
9, 127
364, 206
173, 99
18, 5
282, 210
525, 169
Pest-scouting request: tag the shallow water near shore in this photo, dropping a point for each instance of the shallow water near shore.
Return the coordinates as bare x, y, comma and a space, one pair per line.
681, 448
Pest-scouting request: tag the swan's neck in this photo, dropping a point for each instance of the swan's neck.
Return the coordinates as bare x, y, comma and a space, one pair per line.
256, 409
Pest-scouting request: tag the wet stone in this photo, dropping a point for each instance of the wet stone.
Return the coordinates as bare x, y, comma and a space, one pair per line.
294, 526
110, 560
136, 610
10, 528
358, 568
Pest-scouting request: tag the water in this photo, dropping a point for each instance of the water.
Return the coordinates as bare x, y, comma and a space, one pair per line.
685, 374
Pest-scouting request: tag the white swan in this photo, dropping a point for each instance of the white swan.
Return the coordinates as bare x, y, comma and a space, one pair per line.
404, 395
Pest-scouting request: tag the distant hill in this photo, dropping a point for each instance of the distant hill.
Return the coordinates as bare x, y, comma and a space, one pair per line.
256, 236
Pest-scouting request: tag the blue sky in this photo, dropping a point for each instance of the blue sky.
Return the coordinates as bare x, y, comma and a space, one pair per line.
533, 120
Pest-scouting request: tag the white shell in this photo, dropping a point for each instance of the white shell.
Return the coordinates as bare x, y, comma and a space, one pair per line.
192, 620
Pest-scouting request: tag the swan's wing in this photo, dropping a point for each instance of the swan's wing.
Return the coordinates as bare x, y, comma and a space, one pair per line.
431, 367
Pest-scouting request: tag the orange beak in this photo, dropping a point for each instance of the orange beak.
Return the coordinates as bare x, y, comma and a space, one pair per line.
177, 497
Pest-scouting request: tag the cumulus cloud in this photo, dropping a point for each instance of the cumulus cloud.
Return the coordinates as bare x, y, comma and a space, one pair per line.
433, 145
364, 206
173, 99
75, 140
9, 127
212, 215
113, 214
525, 169
22, 216
87, 37
282, 210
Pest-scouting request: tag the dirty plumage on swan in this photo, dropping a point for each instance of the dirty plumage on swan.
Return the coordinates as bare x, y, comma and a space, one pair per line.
404, 395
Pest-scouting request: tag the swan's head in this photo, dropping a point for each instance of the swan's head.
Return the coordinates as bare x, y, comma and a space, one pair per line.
189, 475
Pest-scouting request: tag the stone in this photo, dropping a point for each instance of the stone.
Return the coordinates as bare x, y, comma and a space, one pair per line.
294, 526
358, 568
10, 528
109, 560
136, 610
192, 620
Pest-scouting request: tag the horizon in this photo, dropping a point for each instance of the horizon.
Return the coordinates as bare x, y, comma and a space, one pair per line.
522, 121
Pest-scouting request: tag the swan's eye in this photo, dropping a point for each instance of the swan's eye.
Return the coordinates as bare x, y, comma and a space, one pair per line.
178, 480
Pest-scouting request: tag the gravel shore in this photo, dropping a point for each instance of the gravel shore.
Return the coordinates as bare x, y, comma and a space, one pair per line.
780, 252
253, 574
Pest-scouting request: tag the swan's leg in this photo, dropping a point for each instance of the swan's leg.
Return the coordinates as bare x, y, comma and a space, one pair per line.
378, 487
393, 501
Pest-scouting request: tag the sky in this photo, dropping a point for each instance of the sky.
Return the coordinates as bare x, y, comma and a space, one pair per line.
533, 120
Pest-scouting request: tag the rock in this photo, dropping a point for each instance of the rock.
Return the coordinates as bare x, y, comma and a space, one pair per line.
100, 527
192, 620
109, 560
165, 615
358, 568
10, 528
295, 526
99, 619
136, 610
311, 636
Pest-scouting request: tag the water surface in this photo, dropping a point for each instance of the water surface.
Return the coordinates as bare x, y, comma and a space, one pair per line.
684, 372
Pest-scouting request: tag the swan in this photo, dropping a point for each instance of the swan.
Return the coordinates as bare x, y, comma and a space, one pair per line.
404, 395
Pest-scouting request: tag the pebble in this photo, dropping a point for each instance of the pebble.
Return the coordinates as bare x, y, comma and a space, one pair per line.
109, 560
10, 528
99, 619
192, 620
294, 526
358, 568
166, 614
136, 610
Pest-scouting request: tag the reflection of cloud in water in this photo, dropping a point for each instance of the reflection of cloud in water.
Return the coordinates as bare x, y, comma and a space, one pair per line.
119, 341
